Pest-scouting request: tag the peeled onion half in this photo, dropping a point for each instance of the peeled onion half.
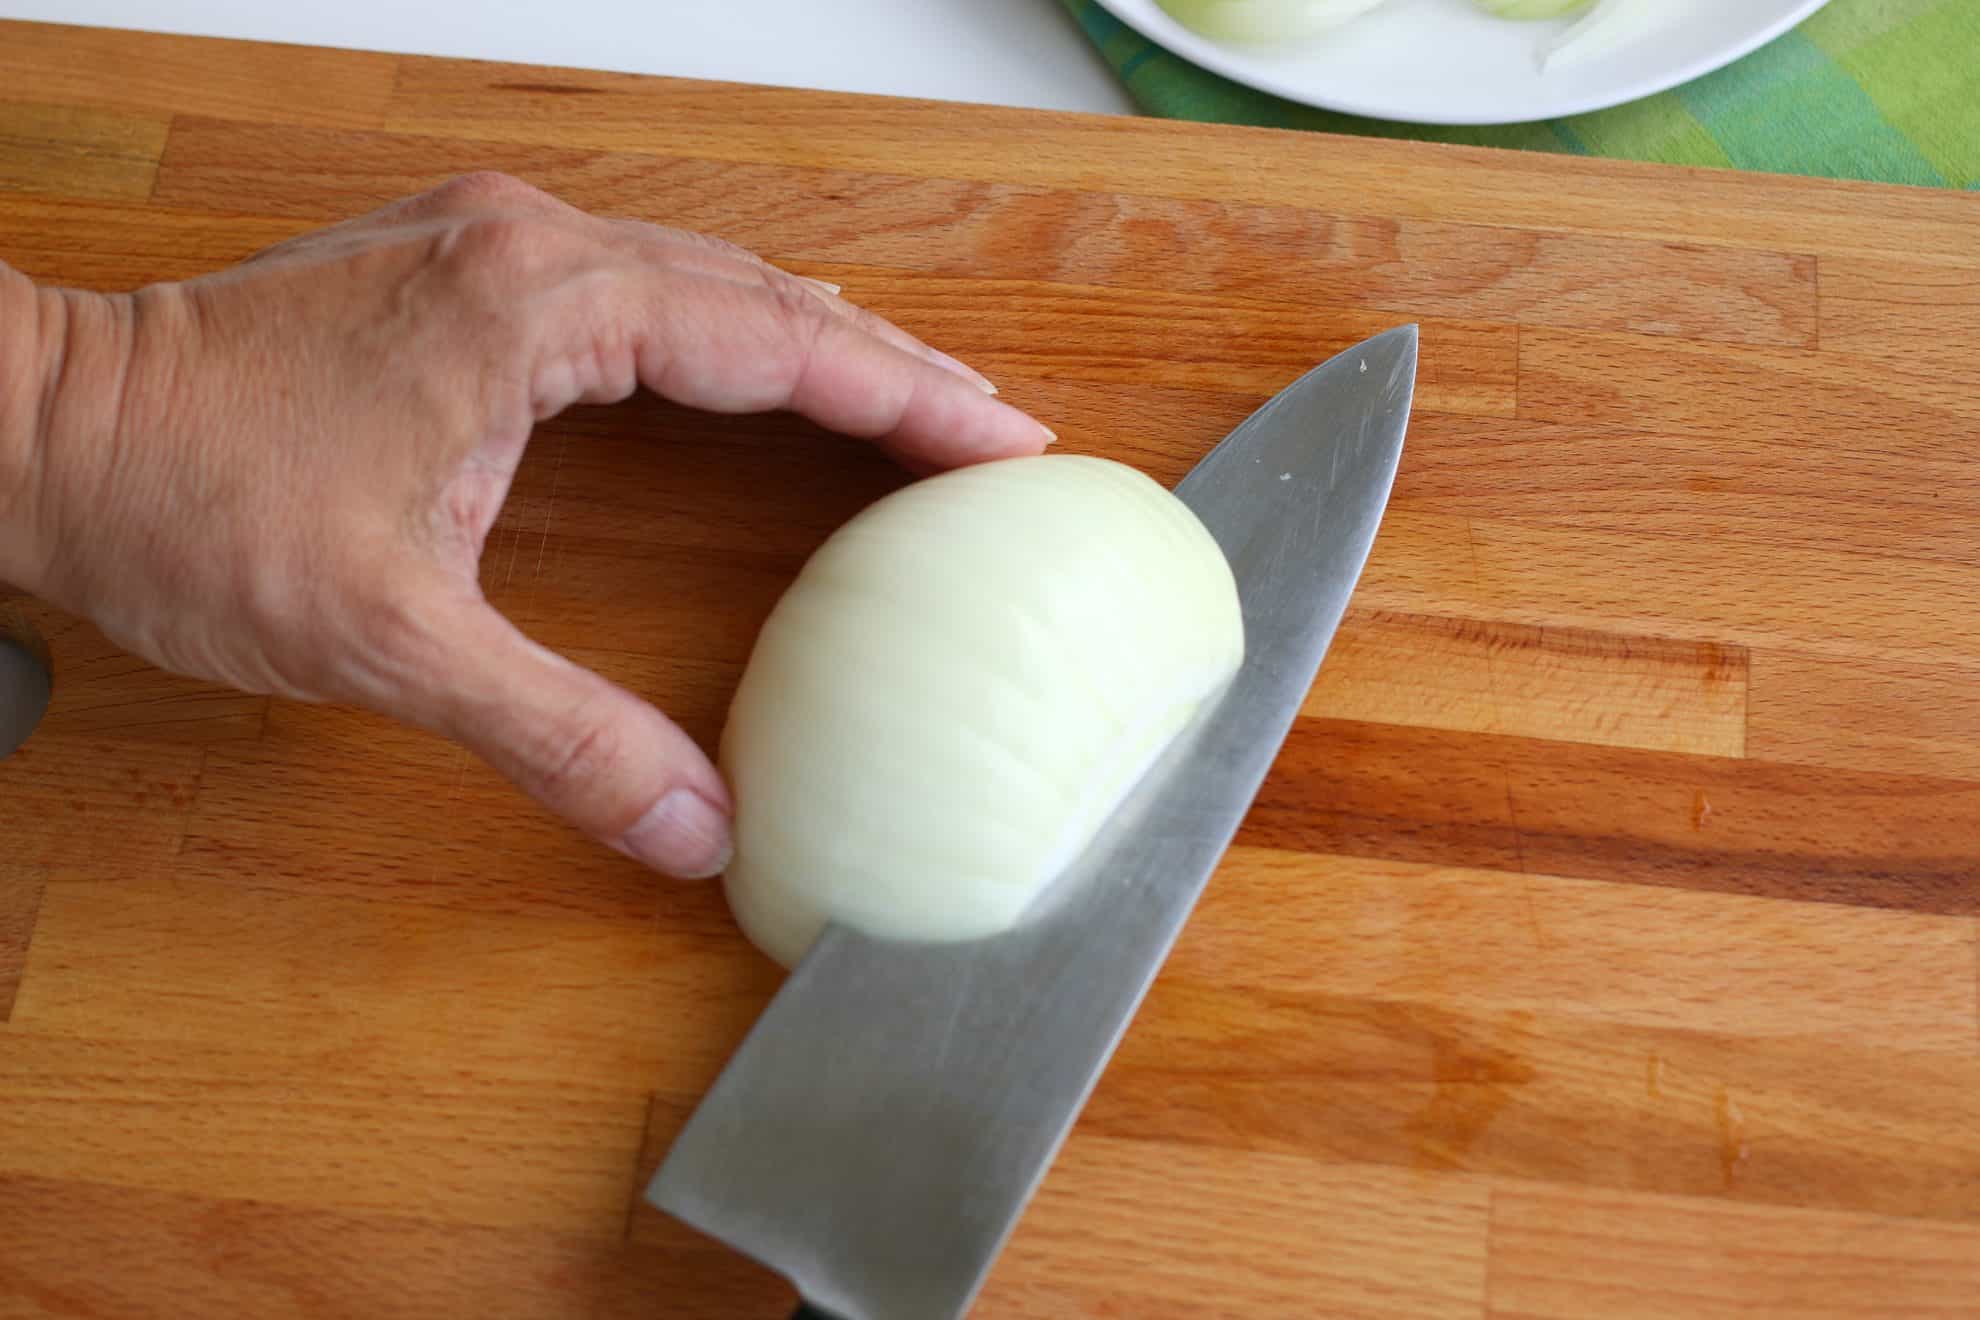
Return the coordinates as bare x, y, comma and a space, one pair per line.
957, 690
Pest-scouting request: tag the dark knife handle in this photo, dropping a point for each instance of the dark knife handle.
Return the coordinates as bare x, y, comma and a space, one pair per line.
806, 1311
24, 682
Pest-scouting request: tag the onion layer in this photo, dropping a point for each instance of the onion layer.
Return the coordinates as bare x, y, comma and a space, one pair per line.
1526, 9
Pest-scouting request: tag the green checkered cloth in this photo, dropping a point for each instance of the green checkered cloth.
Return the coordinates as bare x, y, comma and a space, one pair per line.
1887, 90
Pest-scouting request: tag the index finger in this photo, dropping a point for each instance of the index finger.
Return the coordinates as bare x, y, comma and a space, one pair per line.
729, 347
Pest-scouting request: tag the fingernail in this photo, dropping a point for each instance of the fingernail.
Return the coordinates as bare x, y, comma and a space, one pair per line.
823, 284
963, 369
683, 835
1051, 436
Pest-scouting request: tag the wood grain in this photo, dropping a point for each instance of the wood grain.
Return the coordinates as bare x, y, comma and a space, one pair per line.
1620, 814
100, 807
260, 821
1371, 1242
1847, 713
206, 1255
20, 903
1565, 684
1799, 487
486, 102
1519, 1093
205, 964
1695, 388
1830, 600
1562, 1253
1606, 940
1231, 344
159, 74
131, 243
1900, 307
1440, 936
90, 153
237, 1120
1067, 237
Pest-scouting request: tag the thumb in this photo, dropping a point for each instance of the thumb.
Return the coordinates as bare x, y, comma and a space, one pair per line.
587, 749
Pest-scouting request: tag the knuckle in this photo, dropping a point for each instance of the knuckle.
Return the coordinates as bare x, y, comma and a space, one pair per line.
798, 304
806, 329
706, 251
592, 756
871, 323
503, 247
735, 251
716, 244
488, 188
801, 321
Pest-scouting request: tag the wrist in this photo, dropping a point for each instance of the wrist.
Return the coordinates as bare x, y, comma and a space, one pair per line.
22, 394
61, 362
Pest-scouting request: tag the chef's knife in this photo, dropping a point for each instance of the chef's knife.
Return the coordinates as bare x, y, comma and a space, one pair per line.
883, 1125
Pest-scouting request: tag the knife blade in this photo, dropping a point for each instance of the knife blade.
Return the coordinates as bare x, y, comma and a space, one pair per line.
883, 1125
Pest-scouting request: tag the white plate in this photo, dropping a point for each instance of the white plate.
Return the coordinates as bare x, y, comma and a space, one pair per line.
1448, 62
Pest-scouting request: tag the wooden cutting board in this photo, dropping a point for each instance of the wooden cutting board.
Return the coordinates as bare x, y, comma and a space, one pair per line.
1604, 943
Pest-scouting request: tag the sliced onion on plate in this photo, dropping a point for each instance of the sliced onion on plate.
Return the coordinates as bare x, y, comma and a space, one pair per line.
1602, 26
1264, 22
1608, 25
1531, 8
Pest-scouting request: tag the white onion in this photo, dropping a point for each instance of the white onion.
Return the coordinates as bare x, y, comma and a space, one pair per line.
958, 689
1259, 22
1526, 9
1605, 25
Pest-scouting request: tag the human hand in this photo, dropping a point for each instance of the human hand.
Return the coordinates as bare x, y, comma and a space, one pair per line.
281, 476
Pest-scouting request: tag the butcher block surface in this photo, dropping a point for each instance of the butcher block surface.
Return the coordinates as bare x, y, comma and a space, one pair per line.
1605, 943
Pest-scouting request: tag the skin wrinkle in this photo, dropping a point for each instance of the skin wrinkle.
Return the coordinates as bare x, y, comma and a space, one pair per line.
59, 520
37, 441
23, 402
803, 308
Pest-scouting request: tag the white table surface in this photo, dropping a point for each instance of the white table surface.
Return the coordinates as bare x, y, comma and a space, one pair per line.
1004, 52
